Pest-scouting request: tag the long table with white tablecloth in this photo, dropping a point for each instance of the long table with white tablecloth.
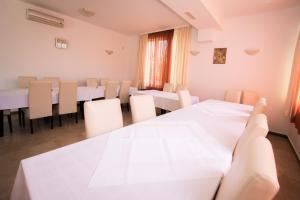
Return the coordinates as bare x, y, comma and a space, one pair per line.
164, 100
179, 155
18, 98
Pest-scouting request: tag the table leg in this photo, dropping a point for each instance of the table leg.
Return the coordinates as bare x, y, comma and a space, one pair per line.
1, 123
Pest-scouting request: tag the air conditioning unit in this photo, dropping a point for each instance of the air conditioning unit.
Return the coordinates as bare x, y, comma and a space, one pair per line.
44, 18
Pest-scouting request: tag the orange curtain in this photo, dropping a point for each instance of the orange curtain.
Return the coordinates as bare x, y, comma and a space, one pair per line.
295, 88
158, 62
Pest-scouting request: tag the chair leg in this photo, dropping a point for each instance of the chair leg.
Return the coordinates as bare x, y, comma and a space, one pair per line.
20, 116
9, 123
51, 121
128, 107
82, 109
76, 117
23, 118
31, 126
60, 121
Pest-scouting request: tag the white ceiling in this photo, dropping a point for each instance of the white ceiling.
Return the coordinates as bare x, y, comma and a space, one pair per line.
232, 8
142, 16
125, 16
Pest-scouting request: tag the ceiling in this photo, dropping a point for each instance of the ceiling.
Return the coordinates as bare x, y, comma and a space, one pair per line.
124, 16
232, 8
143, 16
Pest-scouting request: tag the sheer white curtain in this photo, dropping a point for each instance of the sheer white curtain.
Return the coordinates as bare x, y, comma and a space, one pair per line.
180, 54
142, 53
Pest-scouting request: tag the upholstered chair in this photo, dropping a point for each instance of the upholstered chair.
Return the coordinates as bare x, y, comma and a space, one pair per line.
23, 81
168, 87
102, 116
258, 126
252, 174
233, 96
40, 101
180, 87
249, 97
124, 92
259, 107
184, 98
67, 99
91, 82
103, 82
111, 89
53, 80
142, 108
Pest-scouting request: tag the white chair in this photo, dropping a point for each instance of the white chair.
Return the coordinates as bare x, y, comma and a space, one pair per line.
111, 89
103, 82
258, 126
124, 92
233, 96
67, 99
259, 107
184, 98
23, 81
53, 80
91, 82
40, 101
180, 87
168, 87
249, 97
102, 116
252, 174
142, 108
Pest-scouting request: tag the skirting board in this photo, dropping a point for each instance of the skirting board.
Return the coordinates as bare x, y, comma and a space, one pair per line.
290, 141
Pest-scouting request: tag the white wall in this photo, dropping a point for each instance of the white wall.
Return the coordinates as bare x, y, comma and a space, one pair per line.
27, 48
268, 72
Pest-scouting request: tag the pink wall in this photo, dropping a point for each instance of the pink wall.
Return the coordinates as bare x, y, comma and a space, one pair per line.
268, 72
27, 48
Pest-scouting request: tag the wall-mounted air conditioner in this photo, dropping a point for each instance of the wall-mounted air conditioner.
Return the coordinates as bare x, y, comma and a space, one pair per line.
44, 18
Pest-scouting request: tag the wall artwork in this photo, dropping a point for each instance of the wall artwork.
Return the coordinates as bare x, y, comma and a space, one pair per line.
220, 55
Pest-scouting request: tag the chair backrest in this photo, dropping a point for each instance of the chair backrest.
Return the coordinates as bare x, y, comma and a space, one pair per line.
184, 98
168, 87
258, 126
103, 82
233, 96
54, 81
23, 81
259, 107
180, 87
252, 175
67, 99
111, 89
91, 82
124, 91
102, 116
142, 108
39, 99
249, 97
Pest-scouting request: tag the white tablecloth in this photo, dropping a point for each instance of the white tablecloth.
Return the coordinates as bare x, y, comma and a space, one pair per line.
179, 155
18, 98
164, 100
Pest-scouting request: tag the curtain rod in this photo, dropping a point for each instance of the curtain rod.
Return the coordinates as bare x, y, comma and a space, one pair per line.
159, 30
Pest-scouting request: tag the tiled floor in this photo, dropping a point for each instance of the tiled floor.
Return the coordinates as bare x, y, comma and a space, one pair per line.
21, 144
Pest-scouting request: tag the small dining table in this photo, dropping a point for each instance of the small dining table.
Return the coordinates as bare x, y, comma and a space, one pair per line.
18, 98
180, 155
164, 100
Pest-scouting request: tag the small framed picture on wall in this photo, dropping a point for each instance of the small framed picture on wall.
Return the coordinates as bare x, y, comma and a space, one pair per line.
219, 56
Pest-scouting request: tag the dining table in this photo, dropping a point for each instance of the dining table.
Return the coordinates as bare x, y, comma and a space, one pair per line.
179, 155
18, 98
164, 100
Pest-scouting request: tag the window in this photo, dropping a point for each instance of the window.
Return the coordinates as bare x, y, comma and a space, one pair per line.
158, 59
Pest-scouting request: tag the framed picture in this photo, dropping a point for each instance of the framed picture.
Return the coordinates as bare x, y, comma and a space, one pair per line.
220, 55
